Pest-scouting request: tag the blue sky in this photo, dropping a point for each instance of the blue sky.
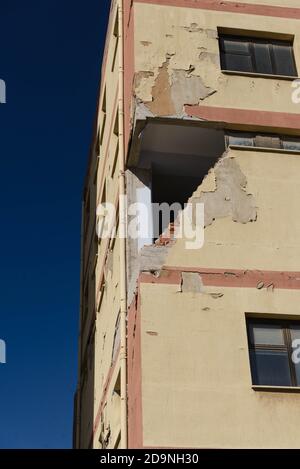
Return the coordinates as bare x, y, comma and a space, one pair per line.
50, 59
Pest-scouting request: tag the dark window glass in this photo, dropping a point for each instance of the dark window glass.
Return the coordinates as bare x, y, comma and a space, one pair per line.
267, 141
263, 140
236, 55
291, 143
273, 349
263, 63
236, 46
270, 368
240, 139
284, 60
261, 334
242, 63
268, 57
295, 332
297, 367
295, 338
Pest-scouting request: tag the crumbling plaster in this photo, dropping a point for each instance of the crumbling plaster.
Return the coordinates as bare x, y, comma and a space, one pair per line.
223, 193
229, 197
172, 91
276, 190
271, 197
181, 65
176, 64
178, 80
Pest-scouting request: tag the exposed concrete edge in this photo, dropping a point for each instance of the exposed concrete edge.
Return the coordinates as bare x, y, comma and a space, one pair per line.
151, 260
142, 116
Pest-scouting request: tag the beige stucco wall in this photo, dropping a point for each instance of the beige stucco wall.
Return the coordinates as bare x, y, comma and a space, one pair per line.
175, 42
100, 406
107, 272
196, 381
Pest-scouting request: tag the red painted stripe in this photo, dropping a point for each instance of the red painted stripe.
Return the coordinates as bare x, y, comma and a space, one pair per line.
247, 117
230, 7
228, 277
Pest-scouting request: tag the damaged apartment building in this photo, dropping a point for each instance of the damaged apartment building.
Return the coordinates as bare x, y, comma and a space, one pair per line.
194, 348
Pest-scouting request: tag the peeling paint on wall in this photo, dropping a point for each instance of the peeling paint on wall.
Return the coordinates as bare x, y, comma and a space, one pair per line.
171, 92
187, 89
146, 43
230, 197
193, 28
141, 76
211, 33
223, 192
161, 93
152, 258
214, 58
191, 282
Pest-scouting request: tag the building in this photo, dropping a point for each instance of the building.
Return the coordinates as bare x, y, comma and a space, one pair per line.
183, 347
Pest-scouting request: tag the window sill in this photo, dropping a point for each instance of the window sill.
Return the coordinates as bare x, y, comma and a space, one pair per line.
260, 75
257, 387
263, 149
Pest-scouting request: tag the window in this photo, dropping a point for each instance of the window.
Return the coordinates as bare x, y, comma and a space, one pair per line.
95, 246
116, 125
103, 117
292, 144
250, 139
101, 293
270, 57
114, 166
100, 215
273, 346
97, 157
240, 139
117, 340
116, 42
85, 303
97, 144
87, 212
